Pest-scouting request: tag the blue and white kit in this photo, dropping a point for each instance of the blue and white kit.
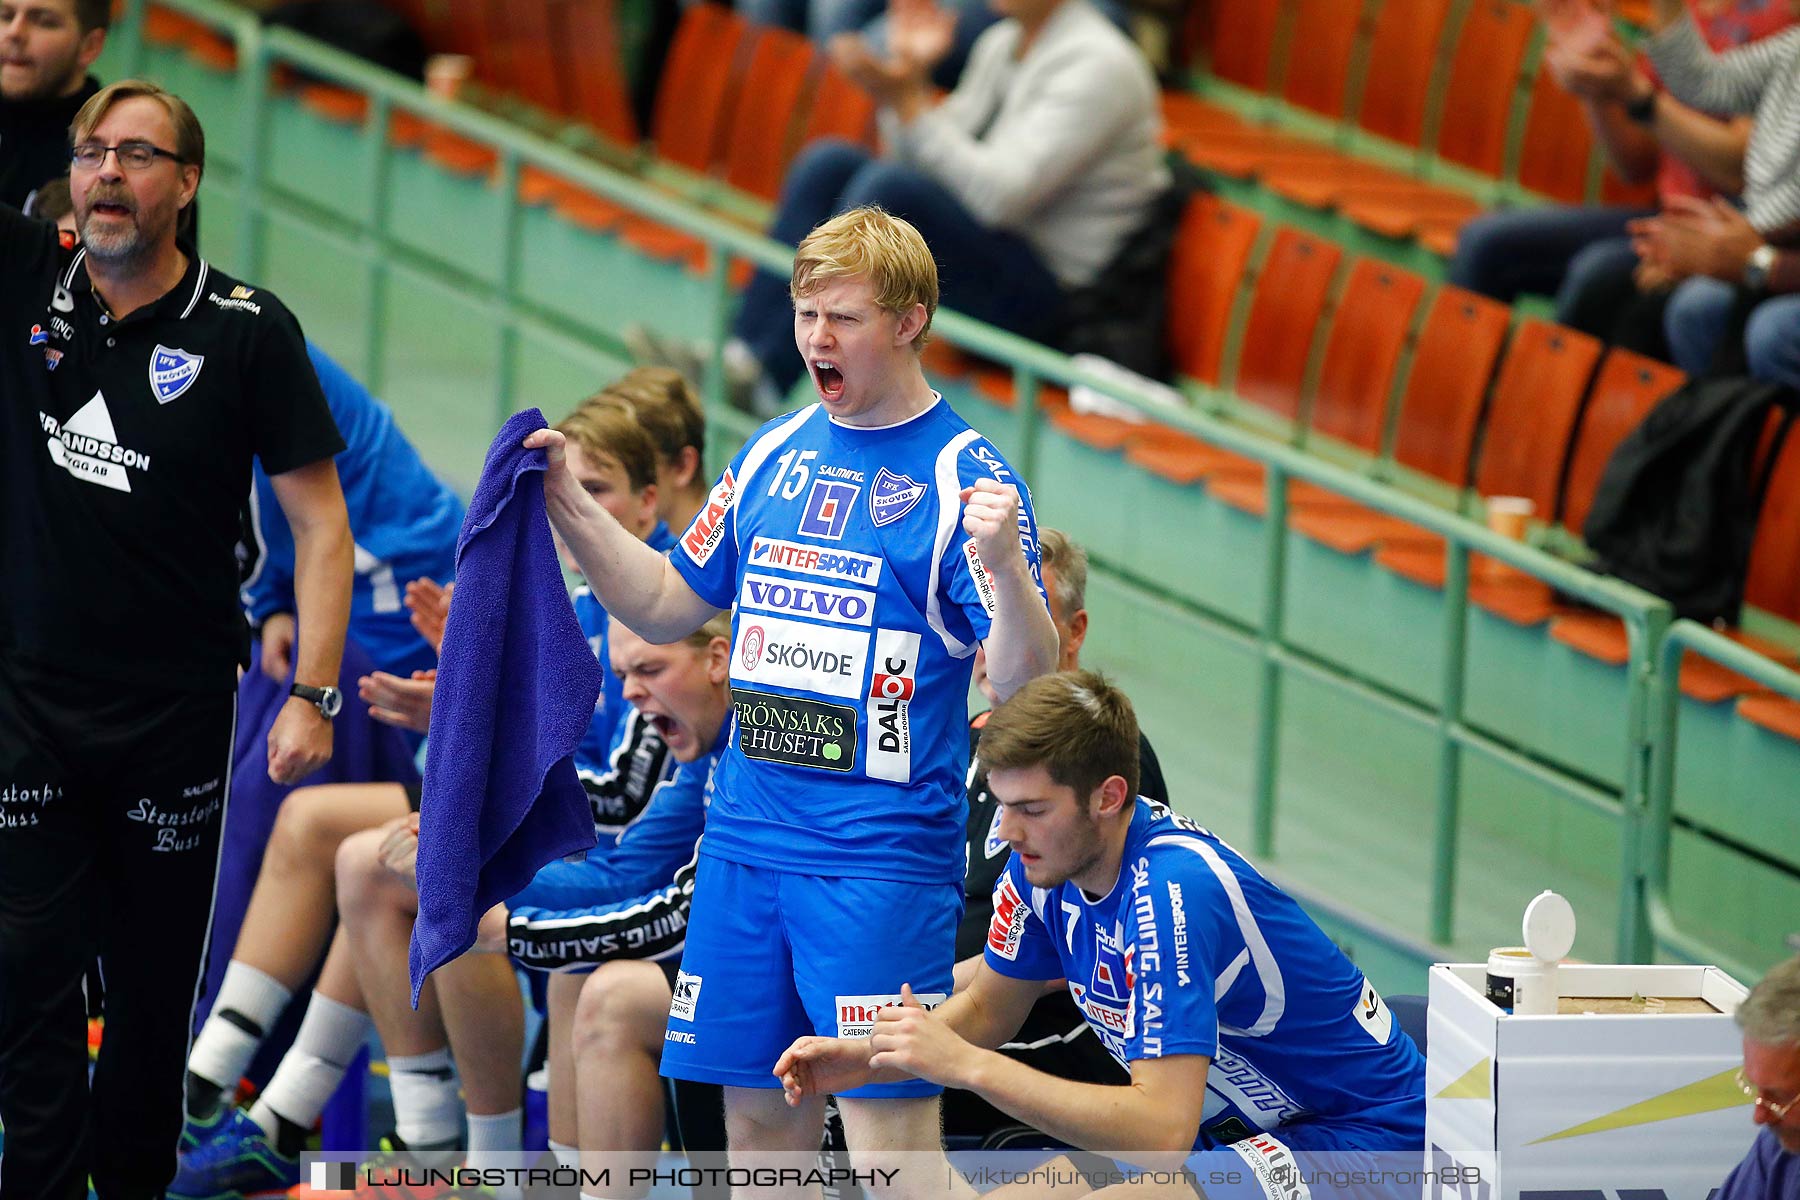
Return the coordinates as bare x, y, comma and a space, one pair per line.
404, 518
624, 901
1194, 952
834, 845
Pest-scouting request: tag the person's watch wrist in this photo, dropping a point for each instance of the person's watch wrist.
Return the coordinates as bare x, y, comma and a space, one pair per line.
1642, 111
1757, 267
328, 700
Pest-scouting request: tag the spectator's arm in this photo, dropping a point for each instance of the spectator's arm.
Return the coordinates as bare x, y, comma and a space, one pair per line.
1732, 82
1081, 108
1631, 150
1713, 148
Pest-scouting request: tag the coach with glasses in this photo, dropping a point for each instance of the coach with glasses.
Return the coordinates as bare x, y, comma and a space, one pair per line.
136, 384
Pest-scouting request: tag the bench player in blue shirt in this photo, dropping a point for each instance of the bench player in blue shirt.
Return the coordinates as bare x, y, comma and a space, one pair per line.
869, 542
1246, 1031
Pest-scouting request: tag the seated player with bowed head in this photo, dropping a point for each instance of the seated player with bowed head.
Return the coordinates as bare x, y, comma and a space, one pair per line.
867, 544
1205, 980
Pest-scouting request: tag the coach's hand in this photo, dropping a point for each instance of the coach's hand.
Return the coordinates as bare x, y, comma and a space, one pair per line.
991, 517
908, 1038
278, 632
299, 742
823, 1066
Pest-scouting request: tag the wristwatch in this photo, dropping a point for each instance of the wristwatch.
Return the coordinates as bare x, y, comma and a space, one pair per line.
1643, 110
1757, 267
328, 700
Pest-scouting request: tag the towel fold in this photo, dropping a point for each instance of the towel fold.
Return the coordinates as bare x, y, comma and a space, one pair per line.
516, 686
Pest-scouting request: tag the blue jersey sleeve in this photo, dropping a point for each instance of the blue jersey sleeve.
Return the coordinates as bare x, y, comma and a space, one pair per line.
965, 583
707, 554
627, 902
1018, 944
1171, 967
622, 784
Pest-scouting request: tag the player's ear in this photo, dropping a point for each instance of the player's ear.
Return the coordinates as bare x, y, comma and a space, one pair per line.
718, 660
912, 322
1112, 796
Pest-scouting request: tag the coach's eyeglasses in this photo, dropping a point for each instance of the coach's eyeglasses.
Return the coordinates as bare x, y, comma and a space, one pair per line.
133, 156
1777, 1111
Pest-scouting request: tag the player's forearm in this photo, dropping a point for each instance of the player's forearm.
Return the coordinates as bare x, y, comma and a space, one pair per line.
1713, 148
1021, 643
1091, 1116
633, 582
324, 564
981, 1025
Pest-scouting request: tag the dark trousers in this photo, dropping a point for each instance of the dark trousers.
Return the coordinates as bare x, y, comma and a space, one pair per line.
988, 274
111, 803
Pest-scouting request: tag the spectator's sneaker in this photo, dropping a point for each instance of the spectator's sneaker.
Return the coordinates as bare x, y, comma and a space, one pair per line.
238, 1162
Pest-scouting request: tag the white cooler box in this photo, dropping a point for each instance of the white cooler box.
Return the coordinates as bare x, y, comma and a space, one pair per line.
1594, 1102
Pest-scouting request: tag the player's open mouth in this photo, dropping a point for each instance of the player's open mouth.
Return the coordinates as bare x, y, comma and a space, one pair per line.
668, 727
828, 378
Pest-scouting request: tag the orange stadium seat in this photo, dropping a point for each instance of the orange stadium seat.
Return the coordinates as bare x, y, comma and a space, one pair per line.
1405, 46
1212, 250
840, 109
1472, 129
1627, 388
762, 134
1529, 428
1440, 413
1350, 402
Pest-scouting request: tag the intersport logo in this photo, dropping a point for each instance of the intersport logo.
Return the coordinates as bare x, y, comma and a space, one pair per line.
845, 606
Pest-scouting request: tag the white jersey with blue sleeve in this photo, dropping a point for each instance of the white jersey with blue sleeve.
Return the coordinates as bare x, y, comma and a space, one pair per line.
1194, 952
859, 601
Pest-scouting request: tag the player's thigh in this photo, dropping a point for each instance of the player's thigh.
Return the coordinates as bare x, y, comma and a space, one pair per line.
894, 1123
856, 941
324, 816
735, 1007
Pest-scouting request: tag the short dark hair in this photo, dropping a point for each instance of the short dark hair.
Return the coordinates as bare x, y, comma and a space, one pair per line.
93, 14
664, 404
51, 202
1075, 724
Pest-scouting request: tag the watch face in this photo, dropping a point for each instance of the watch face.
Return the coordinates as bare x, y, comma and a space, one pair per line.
330, 701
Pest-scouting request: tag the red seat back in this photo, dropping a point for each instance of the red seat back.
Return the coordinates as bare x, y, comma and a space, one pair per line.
1212, 248
1363, 353
1452, 364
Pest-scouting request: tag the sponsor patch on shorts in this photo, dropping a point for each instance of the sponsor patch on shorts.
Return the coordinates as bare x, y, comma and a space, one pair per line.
686, 998
856, 1014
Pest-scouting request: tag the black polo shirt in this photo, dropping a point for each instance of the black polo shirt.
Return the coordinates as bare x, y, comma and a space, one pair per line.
125, 455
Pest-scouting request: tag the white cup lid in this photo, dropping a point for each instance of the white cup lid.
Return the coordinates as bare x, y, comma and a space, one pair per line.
1549, 927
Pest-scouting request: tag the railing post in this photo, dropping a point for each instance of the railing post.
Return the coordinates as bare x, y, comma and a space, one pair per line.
1645, 632
378, 173
253, 93
1025, 399
512, 217
1265, 771
1445, 827
718, 277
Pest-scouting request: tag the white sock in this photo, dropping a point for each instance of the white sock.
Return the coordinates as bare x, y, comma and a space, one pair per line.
566, 1155
493, 1136
224, 1048
427, 1110
330, 1035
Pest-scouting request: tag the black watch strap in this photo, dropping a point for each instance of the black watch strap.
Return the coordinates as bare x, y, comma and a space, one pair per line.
1643, 111
328, 700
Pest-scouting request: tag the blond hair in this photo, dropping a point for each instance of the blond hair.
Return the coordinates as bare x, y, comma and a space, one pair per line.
664, 403
871, 244
606, 429
190, 139
1075, 724
717, 626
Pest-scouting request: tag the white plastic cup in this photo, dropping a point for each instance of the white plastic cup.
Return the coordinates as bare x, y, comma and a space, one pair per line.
1509, 515
1519, 983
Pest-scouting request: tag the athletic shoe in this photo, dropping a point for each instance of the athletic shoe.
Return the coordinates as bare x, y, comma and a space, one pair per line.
195, 1134
238, 1162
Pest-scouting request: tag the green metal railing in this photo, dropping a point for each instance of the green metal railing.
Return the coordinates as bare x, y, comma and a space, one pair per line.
1643, 806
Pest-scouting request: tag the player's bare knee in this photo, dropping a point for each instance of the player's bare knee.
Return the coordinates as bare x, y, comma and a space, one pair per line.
358, 869
759, 1120
623, 1007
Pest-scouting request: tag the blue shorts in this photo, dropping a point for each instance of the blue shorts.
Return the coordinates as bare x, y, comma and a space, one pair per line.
772, 956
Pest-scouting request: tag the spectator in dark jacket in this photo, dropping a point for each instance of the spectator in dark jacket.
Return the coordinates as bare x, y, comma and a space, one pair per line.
46, 48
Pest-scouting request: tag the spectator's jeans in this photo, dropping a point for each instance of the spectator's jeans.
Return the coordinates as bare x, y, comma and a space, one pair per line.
989, 274
1699, 315
1537, 250
820, 20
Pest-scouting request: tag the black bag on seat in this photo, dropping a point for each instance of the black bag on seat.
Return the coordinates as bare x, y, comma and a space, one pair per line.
1675, 510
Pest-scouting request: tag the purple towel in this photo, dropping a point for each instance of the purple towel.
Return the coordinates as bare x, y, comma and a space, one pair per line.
516, 687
